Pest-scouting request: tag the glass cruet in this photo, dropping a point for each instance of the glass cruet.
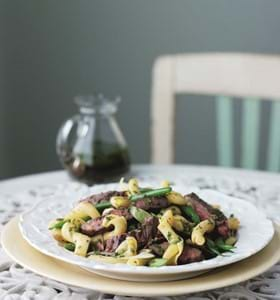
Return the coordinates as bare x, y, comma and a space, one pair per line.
91, 145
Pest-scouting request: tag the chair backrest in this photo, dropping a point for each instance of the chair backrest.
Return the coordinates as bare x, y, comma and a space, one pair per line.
252, 77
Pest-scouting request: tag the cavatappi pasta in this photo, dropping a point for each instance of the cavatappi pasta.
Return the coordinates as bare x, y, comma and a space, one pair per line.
144, 226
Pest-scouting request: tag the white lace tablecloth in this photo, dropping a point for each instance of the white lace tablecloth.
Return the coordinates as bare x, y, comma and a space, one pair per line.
260, 188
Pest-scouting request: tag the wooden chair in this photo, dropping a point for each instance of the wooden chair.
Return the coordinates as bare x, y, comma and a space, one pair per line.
253, 77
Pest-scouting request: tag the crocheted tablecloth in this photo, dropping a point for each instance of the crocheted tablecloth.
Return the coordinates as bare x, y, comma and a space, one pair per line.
262, 189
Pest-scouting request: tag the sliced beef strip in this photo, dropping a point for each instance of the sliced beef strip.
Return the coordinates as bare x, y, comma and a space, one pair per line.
223, 229
152, 203
189, 255
203, 209
113, 243
147, 233
94, 226
206, 211
159, 238
158, 249
149, 227
101, 197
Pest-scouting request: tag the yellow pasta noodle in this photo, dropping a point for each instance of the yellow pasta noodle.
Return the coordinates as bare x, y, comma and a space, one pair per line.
128, 247
119, 224
173, 252
175, 210
83, 209
176, 198
81, 242
67, 231
180, 223
119, 201
133, 186
233, 223
137, 262
168, 215
200, 230
165, 228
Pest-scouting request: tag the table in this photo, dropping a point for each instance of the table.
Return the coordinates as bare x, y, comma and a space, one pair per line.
16, 195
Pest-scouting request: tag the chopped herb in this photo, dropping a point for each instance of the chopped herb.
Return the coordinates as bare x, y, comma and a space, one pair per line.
169, 235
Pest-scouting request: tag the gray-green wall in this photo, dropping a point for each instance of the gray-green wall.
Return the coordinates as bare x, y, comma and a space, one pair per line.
52, 50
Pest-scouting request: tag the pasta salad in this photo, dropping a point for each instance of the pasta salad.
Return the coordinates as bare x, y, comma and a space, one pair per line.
145, 226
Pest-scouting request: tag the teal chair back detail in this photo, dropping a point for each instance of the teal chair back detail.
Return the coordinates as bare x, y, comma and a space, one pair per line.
252, 77
250, 141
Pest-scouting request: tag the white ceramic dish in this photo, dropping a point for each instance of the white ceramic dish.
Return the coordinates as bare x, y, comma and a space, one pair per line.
255, 233
25, 255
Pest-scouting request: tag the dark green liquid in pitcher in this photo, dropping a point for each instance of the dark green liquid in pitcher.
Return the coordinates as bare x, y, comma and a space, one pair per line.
107, 162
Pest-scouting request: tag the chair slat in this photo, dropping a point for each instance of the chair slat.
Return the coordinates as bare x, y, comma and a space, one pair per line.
250, 133
224, 130
273, 152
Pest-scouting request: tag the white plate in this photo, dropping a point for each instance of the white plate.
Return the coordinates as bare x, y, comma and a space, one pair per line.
255, 233
25, 255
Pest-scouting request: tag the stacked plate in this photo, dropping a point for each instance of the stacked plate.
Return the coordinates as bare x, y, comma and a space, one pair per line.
27, 240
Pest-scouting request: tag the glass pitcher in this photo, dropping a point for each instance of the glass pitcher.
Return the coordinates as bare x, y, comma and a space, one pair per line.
91, 145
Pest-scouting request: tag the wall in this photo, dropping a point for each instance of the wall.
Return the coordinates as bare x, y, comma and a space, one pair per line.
52, 50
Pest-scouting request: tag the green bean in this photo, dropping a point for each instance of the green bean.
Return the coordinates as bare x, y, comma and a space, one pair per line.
152, 193
212, 247
69, 246
189, 212
157, 262
58, 225
61, 222
103, 205
139, 214
218, 247
222, 246
133, 198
